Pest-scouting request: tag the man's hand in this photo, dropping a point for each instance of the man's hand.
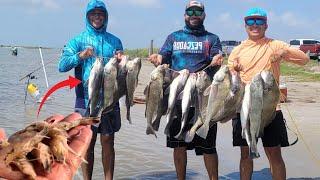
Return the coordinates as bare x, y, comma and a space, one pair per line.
237, 66
278, 55
217, 60
118, 55
78, 140
155, 59
87, 53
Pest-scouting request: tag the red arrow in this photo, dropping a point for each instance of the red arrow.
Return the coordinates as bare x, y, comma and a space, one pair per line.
71, 82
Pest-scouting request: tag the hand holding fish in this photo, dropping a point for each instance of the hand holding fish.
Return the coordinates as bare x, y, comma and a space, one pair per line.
217, 60
78, 140
155, 59
118, 55
87, 53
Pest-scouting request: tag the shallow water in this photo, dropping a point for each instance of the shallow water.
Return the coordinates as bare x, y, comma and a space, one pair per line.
138, 156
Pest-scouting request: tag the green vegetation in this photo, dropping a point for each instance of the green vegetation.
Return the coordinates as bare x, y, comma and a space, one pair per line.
142, 52
300, 73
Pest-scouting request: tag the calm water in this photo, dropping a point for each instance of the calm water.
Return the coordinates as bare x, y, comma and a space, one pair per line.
138, 156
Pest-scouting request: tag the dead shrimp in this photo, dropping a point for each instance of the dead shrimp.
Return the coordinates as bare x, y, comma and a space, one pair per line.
19, 147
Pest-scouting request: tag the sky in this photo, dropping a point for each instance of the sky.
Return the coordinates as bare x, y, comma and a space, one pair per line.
52, 23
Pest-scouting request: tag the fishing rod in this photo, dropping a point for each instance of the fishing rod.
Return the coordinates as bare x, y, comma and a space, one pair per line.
37, 69
30, 76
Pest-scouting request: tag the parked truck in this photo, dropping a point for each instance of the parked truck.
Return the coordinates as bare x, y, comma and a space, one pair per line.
313, 47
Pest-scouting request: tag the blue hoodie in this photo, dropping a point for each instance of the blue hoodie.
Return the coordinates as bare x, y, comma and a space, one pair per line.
103, 43
191, 49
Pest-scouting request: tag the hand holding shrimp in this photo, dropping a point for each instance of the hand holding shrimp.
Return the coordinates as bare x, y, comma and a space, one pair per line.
50, 149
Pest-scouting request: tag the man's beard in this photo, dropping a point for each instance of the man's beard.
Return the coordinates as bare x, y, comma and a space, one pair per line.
195, 26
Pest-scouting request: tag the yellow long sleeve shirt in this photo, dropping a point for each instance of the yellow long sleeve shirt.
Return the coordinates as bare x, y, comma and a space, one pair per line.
256, 56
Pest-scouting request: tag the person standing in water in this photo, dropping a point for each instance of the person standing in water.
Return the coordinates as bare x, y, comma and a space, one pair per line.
79, 54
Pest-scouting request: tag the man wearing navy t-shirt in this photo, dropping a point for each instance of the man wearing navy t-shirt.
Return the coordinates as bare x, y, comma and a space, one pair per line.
192, 48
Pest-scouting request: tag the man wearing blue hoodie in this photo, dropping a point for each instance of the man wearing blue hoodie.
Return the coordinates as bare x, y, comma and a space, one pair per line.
79, 54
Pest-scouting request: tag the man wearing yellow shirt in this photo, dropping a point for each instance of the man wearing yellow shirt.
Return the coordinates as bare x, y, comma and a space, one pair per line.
252, 56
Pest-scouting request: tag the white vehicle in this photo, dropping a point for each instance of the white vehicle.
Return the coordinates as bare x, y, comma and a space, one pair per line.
297, 42
227, 46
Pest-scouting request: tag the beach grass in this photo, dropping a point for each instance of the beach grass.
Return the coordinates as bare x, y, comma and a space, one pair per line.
296, 72
300, 73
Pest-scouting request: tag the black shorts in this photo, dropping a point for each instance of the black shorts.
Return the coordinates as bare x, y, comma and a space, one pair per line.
109, 123
275, 133
200, 145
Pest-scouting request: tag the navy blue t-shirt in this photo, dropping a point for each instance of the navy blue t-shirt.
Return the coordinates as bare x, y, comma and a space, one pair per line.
185, 49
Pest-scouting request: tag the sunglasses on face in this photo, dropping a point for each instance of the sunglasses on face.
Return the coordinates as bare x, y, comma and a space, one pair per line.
98, 14
194, 12
252, 21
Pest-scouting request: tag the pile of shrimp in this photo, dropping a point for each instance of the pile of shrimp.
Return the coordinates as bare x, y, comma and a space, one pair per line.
40, 144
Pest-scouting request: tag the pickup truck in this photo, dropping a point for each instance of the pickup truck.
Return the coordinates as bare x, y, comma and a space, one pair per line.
313, 47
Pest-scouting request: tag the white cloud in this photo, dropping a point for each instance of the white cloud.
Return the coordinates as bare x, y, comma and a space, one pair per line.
145, 3
139, 3
49, 4
287, 18
224, 18
290, 19
38, 4
227, 26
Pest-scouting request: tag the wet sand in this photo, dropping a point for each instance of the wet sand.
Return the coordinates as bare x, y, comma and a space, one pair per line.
141, 156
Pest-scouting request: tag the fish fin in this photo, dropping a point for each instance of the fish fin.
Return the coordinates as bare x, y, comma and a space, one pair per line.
87, 113
203, 131
156, 123
180, 95
146, 90
207, 91
128, 105
137, 80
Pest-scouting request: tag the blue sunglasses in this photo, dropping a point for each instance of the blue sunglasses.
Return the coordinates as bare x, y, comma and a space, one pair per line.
252, 21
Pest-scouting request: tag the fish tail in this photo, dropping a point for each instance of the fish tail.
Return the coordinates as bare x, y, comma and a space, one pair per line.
128, 115
156, 124
150, 130
183, 122
166, 130
169, 122
254, 154
203, 131
253, 149
189, 136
